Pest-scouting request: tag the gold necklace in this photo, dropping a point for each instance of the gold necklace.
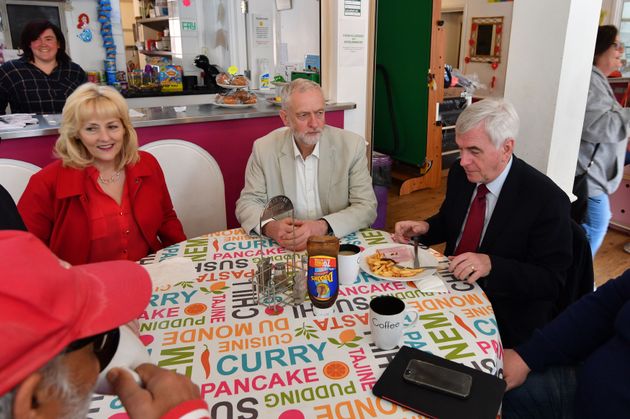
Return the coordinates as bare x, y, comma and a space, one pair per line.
112, 179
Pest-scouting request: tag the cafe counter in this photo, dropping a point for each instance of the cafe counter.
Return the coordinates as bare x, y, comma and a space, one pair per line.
226, 133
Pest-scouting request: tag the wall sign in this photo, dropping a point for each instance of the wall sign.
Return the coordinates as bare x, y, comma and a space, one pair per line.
352, 7
189, 25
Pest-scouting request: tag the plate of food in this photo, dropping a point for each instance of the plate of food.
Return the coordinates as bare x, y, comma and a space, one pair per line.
236, 99
277, 100
394, 262
234, 105
231, 82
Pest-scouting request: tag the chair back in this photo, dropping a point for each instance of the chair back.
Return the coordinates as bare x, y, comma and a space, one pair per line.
580, 276
195, 183
14, 176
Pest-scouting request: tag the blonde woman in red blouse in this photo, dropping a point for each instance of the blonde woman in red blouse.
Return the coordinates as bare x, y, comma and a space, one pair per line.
103, 199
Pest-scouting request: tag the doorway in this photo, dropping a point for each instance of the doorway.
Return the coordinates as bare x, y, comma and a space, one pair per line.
452, 36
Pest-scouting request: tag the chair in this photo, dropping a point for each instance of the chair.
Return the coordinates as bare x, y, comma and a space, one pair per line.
195, 183
14, 176
580, 276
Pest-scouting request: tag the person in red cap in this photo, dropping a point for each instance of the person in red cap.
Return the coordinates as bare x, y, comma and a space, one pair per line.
52, 317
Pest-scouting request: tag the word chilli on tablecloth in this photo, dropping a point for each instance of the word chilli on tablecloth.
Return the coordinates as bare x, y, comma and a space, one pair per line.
250, 364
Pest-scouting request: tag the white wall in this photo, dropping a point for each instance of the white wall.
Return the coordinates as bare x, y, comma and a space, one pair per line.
345, 70
299, 30
481, 8
548, 78
453, 4
90, 55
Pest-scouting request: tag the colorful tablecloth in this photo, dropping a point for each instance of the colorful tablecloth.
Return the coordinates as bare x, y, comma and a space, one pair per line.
249, 364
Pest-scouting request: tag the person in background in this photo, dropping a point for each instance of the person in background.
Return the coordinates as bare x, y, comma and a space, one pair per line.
577, 365
53, 319
42, 79
9, 216
505, 224
323, 171
606, 124
103, 199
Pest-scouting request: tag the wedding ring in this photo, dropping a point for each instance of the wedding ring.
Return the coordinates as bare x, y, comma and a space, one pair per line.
472, 268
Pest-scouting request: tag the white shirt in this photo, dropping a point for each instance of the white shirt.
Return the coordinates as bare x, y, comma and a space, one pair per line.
307, 205
494, 189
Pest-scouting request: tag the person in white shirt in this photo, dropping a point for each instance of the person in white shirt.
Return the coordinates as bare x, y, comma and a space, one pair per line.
323, 171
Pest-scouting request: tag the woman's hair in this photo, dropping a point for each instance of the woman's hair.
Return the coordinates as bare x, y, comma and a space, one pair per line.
92, 101
606, 36
33, 30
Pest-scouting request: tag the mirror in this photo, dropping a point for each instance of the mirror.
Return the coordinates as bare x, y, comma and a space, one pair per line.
485, 39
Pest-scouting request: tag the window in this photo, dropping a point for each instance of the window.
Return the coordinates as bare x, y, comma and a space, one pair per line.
624, 30
15, 14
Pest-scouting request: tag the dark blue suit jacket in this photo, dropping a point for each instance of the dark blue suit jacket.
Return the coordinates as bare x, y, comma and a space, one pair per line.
529, 242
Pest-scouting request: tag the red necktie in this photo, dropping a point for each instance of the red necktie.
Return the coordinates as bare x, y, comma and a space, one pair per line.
474, 224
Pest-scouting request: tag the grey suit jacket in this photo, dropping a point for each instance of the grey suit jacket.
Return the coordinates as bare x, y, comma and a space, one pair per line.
345, 186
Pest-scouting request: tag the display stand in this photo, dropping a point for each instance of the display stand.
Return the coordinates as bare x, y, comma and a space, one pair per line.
283, 283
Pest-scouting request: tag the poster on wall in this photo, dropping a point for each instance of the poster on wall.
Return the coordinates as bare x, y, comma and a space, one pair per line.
352, 43
262, 30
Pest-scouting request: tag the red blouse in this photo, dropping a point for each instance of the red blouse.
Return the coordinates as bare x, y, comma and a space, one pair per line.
115, 233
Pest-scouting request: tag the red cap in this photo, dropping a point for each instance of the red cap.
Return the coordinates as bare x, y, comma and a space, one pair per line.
44, 306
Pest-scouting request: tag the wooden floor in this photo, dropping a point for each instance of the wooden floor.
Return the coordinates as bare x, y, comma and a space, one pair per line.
610, 262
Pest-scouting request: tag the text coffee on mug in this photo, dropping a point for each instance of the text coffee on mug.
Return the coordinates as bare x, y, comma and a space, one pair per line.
387, 320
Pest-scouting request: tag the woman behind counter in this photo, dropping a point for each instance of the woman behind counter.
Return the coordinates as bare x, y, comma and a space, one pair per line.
42, 79
103, 199
606, 124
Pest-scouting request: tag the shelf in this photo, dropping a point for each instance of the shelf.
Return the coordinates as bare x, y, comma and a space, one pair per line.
147, 20
156, 53
156, 23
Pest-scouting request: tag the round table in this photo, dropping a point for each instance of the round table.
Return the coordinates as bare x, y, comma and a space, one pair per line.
250, 364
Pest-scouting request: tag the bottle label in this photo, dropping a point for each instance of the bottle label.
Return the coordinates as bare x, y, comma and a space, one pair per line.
265, 81
322, 277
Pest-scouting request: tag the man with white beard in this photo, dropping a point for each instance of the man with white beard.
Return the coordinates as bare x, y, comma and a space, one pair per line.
55, 323
323, 171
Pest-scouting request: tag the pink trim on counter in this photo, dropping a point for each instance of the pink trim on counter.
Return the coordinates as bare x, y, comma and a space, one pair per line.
231, 153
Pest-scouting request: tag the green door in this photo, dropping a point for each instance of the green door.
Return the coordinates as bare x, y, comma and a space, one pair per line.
403, 49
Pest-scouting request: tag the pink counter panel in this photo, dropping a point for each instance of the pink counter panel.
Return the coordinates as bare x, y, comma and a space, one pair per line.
228, 141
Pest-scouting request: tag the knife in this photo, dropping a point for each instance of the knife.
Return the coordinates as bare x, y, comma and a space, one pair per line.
416, 262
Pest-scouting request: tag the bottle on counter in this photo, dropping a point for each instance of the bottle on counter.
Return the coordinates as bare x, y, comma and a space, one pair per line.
323, 278
264, 81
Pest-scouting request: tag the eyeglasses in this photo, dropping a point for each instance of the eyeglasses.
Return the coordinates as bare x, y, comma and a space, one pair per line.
619, 46
105, 345
304, 116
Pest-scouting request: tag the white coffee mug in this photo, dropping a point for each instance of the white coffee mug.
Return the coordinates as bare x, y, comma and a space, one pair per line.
387, 320
126, 352
348, 259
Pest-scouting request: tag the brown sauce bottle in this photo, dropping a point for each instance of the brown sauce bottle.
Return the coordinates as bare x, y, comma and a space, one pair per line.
323, 276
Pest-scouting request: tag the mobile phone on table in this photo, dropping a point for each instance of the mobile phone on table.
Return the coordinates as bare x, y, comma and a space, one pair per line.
434, 377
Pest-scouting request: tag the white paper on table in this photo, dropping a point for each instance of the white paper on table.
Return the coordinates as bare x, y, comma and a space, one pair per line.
431, 283
171, 271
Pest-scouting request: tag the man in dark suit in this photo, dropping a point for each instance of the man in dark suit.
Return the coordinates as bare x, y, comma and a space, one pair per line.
520, 248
